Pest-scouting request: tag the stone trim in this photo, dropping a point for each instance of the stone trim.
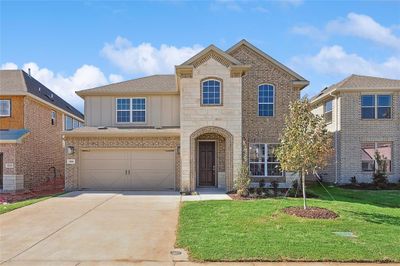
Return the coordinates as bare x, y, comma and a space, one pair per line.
228, 154
221, 91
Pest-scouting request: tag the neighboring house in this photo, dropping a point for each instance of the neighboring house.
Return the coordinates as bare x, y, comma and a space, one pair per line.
185, 131
363, 113
31, 121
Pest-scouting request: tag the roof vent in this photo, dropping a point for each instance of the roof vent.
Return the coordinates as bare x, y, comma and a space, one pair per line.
29, 72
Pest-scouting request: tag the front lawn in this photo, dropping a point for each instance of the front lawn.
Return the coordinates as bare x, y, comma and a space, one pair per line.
12, 206
258, 230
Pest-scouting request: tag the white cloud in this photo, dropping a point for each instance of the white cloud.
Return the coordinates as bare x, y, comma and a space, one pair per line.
365, 27
145, 58
115, 78
357, 25
309, 31
9, 65
334, 60
87, 76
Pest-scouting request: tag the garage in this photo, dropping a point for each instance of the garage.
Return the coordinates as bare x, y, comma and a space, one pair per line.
123, 169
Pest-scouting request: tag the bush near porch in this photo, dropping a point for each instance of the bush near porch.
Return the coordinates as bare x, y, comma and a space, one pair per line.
258, 230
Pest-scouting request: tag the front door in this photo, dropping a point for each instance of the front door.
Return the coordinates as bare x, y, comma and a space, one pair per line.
206, 163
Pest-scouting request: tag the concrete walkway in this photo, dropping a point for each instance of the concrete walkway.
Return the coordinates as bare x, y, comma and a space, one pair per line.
207, 194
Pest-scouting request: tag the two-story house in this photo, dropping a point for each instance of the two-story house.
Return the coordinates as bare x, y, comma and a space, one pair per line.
186, 130
32, 118
363, 113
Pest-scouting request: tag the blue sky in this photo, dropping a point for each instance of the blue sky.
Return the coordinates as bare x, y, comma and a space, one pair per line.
72, 45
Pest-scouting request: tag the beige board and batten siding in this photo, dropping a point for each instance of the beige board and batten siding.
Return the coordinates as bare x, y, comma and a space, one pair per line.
161, 110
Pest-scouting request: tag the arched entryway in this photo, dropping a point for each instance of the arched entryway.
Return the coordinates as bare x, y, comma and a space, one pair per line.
211, 158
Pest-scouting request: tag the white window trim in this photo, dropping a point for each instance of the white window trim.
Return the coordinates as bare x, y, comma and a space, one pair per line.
53, 118
220, 93
273, 100
65, 122
373, 159
376, 106
9, 109
265, 162
131, 110
331, 111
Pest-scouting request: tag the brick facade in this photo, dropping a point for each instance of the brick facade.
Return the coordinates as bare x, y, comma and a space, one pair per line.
41, 150
79, 143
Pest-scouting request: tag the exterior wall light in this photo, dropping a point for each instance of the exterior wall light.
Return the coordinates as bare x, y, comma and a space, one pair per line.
70, 150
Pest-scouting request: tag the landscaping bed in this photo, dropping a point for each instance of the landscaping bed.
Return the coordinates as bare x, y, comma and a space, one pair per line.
311, 212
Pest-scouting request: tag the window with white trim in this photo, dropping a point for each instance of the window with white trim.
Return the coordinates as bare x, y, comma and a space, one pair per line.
75, 123
266, 94
5, 108
53, 117
211, 92
376, 106
68, 123
328, 112
263, 161
131, 110
368, 151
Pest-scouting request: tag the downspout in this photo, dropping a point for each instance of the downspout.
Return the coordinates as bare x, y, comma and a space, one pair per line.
336, 137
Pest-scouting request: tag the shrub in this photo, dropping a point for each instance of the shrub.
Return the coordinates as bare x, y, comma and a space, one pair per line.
242, 182
275, 186
380, 178
353, 180
261, 183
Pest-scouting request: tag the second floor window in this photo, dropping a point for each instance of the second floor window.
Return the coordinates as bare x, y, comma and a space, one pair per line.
131, 110
53, 117
266, 95
376, 106
211, 92
328, 112
5, 108
68, 123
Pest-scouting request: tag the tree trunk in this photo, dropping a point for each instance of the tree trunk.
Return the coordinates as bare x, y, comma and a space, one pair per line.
303, 184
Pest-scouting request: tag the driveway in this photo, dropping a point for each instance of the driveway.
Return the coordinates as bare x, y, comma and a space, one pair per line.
88, 228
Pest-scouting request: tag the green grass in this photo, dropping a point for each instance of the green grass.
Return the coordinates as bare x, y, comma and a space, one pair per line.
258, 230
12, 206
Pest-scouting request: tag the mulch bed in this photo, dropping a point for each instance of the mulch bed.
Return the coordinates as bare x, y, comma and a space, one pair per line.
45, 189
311, 212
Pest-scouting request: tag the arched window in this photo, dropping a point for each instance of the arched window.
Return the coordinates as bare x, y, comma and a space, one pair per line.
211, 92
266, 101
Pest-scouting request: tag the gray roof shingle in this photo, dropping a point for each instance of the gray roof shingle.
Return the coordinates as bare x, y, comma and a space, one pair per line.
19, 80
150, 84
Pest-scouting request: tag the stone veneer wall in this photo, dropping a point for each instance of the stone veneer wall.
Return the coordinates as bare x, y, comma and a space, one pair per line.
227, 117
72, 170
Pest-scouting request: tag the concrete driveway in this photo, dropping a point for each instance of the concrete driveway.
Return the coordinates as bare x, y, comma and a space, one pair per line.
89, 228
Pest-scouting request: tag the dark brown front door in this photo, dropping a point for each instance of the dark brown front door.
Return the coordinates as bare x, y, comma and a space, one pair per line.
206, 163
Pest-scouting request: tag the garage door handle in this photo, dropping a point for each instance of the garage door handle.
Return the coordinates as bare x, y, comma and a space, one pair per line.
129, 172
126, 172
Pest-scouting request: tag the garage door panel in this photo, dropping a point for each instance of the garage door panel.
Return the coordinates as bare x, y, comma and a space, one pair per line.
149, 169
104, 179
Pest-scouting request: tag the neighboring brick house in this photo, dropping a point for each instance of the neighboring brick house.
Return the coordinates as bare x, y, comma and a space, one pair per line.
363, 113
32, 119
185, 131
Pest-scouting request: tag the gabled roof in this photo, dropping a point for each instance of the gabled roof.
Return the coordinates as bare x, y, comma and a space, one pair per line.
149, 85
358, 82
19, 82
211, 48
269, 58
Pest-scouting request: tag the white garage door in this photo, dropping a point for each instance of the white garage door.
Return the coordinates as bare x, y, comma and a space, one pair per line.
127, 169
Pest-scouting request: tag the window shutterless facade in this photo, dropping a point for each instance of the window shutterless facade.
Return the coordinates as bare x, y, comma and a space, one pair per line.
131, 110
328, 112
211, 91
266, 95
5, 108
376, 106
263, 162
368, 152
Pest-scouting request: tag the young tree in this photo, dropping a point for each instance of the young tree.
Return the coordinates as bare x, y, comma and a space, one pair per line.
380, 178
305, 143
